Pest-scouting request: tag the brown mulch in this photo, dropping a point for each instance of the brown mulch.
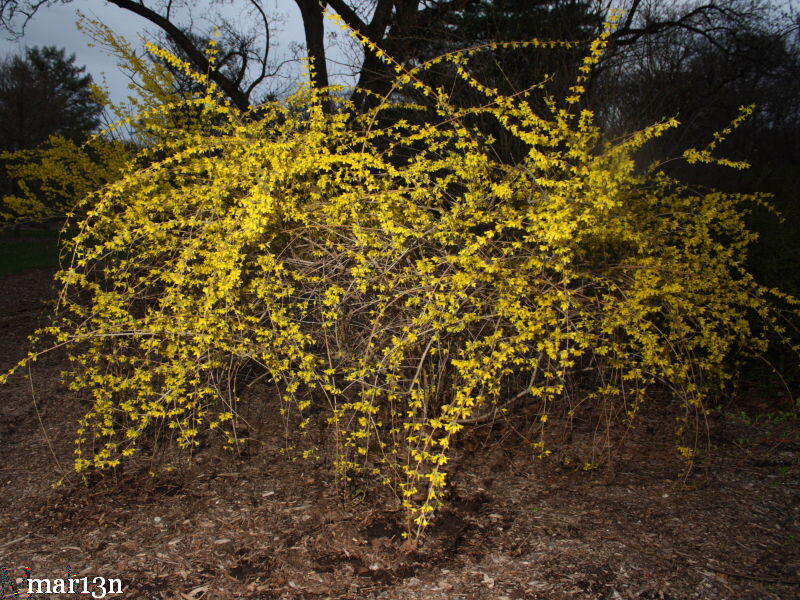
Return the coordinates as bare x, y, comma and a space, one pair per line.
265, 525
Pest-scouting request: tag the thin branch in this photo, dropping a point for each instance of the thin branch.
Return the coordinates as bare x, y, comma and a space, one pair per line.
185, 43
264, 58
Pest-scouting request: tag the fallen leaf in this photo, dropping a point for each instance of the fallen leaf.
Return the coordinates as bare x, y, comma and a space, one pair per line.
193, 594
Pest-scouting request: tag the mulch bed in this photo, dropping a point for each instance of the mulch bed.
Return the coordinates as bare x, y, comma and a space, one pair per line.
267, 525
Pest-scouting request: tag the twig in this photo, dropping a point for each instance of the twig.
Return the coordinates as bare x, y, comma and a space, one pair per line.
41, 423
12, 542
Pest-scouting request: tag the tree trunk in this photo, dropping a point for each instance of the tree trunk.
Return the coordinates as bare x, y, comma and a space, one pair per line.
314, 28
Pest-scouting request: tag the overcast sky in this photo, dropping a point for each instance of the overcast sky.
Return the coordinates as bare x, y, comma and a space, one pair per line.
55, 26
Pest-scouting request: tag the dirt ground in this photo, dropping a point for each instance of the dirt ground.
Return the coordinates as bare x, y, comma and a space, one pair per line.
262, 525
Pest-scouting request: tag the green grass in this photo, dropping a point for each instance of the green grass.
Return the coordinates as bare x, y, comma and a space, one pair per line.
35, 250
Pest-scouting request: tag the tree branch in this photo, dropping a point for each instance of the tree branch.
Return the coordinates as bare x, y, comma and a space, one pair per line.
185, 43
350, 16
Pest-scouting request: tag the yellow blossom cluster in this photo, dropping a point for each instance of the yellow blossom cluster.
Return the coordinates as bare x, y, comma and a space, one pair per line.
399, 294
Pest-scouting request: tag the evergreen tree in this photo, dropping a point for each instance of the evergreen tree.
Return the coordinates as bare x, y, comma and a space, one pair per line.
43, 93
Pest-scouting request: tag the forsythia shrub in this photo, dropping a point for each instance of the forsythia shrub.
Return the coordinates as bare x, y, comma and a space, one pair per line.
52, 177
404, 293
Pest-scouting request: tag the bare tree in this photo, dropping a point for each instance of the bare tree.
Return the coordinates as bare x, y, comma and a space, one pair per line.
708, 62
246, 57
395, 26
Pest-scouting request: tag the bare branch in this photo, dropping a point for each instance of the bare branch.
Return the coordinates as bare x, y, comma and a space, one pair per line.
263, 59
9, 9
350, 16
185, 43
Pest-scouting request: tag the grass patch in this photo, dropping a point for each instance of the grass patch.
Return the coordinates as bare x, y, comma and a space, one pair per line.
32, 249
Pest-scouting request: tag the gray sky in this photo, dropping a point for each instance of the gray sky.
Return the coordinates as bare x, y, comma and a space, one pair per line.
55, 26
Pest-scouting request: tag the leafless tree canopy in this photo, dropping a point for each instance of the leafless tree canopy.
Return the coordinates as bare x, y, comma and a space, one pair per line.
401, 27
